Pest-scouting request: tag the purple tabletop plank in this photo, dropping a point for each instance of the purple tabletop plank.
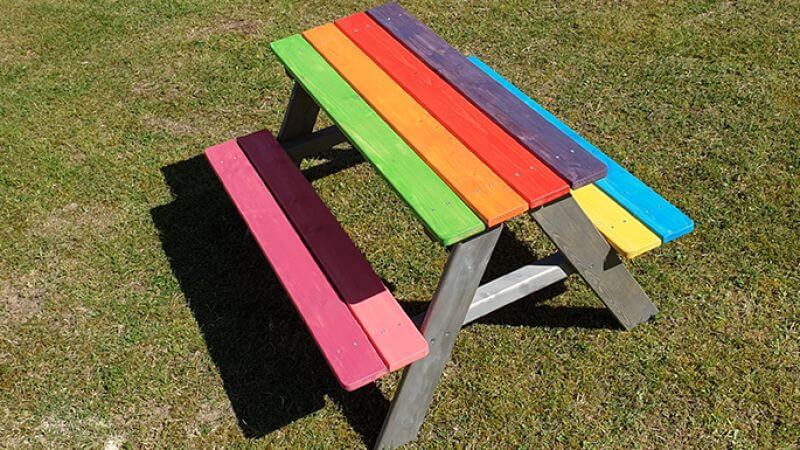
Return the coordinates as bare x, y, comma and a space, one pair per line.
538, 135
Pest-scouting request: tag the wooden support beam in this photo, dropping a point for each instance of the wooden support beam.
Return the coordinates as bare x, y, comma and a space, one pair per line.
513, 286
300, 117
449, 306
593, 258
518, 284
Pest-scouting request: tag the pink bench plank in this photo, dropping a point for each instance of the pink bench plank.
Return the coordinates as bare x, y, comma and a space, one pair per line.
343, 343
388, 327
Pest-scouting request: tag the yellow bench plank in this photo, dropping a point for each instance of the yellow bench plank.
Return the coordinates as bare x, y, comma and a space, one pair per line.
623, 231
485, 192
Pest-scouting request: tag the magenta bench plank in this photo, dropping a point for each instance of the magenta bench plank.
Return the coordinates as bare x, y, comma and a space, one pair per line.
388, 327
341, 339
539, 136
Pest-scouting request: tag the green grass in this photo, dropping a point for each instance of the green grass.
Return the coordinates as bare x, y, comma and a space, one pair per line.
135, 310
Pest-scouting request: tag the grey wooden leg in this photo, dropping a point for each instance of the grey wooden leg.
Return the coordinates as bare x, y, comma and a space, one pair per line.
591, 256
300, 117
296, 134
462, 274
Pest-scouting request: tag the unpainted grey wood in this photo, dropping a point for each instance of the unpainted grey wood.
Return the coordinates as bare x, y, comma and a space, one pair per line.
462, 274
518, 284
316, 142
513, 286
571, 231
300, 117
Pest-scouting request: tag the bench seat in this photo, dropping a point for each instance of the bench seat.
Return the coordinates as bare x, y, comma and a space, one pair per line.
360, 328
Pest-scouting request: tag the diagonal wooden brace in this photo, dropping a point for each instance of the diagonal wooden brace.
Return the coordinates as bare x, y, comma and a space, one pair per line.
587, 251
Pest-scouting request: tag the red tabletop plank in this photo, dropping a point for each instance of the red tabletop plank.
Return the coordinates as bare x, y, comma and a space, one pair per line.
518, 167
538, 135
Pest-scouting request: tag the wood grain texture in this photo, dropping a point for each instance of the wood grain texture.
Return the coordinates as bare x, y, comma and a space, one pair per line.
518, 167
626, 234
486, 193
388, 327
440, 209
341, 339
664, 219
539, 136
567, 226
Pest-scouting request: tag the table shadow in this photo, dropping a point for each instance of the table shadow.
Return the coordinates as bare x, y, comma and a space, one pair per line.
272, 371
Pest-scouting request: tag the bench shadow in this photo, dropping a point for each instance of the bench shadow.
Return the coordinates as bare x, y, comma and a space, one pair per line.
272, 371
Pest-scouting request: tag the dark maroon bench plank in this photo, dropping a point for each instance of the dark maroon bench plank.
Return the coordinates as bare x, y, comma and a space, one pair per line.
390, 330
546, 141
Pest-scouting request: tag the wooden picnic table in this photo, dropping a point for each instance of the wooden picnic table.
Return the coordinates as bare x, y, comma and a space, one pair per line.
467, 151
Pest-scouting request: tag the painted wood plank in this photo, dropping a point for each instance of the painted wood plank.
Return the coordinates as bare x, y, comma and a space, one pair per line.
439, 208
388, 327
518, 167
343, 343
626, 234
488, 195
664, 219
539, 136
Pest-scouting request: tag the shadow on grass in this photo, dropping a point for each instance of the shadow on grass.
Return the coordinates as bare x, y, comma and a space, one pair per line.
272, 370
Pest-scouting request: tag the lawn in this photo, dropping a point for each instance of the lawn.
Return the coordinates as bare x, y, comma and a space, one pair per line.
136, 311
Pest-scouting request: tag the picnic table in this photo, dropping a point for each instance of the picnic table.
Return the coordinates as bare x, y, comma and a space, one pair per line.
467, 151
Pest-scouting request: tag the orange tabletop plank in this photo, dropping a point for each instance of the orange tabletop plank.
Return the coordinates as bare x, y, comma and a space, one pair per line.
486, 193
517, 166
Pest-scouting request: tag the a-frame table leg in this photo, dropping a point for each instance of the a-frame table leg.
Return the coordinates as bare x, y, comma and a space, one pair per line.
462, 274
296, 133
300, 117
588, 252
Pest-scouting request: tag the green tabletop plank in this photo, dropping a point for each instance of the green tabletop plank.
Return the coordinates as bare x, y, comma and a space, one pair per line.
441, 210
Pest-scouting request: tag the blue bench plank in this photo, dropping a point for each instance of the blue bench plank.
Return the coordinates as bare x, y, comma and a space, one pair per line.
664, 219
538, 135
